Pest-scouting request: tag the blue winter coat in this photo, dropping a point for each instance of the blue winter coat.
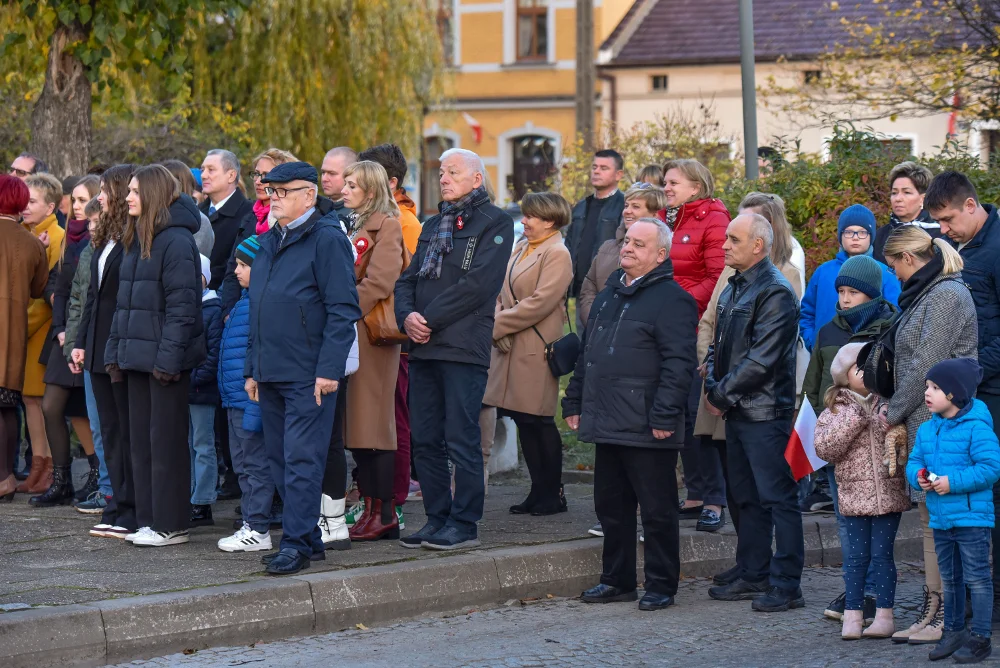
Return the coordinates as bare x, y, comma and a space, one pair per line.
232, 358
982, 275
303, 303
819, 303
965, 449
204, 377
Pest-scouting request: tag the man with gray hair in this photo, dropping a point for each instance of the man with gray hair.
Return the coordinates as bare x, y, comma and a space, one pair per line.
335, 163
750, 380
225, 205
629, 394
445, 302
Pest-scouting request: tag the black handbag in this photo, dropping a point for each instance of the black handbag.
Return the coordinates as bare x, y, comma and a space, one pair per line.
878, 360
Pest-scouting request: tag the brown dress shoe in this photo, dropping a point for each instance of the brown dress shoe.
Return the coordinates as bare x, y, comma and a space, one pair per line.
44, 479
366, 516
7, 488
27, 485
375, 529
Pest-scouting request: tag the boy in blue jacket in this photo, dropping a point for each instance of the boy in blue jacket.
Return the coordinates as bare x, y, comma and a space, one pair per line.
956, 460
246, 431
203, 397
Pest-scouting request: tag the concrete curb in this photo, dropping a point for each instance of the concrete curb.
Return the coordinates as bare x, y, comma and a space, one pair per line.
145, 626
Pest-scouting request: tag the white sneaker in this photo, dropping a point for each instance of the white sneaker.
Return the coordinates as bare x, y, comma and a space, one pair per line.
333, 525
160, 538
141, 532
245, 540
100, 530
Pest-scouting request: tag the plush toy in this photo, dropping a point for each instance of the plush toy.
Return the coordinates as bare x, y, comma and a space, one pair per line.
896, 451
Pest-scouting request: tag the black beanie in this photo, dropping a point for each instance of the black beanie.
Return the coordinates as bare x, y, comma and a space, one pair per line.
958, 378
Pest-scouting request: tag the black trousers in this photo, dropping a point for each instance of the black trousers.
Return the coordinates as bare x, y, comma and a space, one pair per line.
112, 409
335, 476
161, 460
768, 501
541, 445
720, 447
623, 478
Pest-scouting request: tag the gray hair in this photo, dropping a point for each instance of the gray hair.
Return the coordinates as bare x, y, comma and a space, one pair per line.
471, 160
346, 151
761, 229
664, 237
229, 160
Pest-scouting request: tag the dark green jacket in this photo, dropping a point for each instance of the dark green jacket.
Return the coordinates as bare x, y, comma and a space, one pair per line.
77, 299
831, 338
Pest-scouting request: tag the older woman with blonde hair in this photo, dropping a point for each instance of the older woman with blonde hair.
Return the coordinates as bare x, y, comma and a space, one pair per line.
371, 420
530, 314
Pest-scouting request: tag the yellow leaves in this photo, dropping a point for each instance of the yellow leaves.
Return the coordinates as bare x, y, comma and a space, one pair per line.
834, 6
868, 30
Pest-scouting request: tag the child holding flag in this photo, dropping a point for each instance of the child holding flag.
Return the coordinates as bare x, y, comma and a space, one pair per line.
872, 489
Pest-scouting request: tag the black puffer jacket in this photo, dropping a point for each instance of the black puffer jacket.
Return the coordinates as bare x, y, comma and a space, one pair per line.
751, 362
158, 322
638, 358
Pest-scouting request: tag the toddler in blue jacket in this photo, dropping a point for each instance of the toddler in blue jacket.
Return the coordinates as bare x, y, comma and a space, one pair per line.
956, 460
246, 432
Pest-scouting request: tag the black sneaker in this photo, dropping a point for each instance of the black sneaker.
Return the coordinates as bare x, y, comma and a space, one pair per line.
451, 538
727, 577
976, 649
779, 599
201, 516
414, 540
711, 521
819, 502
836, 608
951, 642
740, 590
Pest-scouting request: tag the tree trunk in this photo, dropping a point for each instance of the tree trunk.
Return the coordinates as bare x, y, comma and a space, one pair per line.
60, 121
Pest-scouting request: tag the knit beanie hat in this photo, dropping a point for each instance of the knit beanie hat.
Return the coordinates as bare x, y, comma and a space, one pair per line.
958, 378
846, 357
246, 252
863, 273
206, 269
859, 215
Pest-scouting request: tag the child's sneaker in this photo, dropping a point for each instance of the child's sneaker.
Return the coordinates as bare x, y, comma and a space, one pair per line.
160, 538
399, 516
355, 511
94, 504
246, 540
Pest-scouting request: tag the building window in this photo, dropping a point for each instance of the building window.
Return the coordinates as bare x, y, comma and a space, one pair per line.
991, 148
532, 29
812, 77
898, 145
659, 82
446, 30
533, 164
430, 182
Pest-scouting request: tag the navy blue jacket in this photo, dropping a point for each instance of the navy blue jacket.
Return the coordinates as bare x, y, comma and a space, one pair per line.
157, 323
982, 275
204, 378
459, 305
303, 303
232, 359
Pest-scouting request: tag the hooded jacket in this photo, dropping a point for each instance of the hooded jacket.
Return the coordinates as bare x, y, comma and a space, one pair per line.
205, 377
232, 358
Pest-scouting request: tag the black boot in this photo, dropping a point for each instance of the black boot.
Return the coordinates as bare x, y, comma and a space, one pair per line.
93, 476
201, 516
976, 649
531, 449
551, 498
60, 493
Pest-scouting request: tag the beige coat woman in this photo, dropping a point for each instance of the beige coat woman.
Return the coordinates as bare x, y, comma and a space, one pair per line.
371, 418
533, 293
707, 424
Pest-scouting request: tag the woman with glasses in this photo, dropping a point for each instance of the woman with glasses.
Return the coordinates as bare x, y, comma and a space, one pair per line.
856, 231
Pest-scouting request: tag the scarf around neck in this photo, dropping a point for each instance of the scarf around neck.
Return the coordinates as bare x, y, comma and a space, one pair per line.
77, 230
670, 216
921, 278
261, 210
441, 240
860, 316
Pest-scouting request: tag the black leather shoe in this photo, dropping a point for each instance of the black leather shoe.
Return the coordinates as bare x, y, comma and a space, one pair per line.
201, 516
779, 599
603, 593
268, 558
951, 642
416, 539
711, 521
740, 590
652, 601
288, 562
976, 649
525, 507
727, 577
689, 513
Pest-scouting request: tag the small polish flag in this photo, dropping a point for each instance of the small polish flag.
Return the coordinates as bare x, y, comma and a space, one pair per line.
477, 129
800, 453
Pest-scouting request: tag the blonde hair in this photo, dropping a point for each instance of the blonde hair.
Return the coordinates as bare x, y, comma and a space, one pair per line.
50, 187
654, 199
374, 181
772, 208
547, 206
695, 172
913, 240
275, 155
651, 174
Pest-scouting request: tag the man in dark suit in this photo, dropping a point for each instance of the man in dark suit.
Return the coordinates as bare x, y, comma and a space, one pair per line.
225, 206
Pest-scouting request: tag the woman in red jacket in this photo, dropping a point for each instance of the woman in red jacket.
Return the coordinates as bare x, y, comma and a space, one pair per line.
699, 223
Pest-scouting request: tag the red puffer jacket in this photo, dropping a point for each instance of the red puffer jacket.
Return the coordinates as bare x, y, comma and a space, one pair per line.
696, 252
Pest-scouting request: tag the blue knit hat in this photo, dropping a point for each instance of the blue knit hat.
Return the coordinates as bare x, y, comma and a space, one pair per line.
863, 273
247, 251
856, 215
958, 378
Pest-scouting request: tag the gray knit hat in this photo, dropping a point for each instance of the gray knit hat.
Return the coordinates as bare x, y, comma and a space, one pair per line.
863, 273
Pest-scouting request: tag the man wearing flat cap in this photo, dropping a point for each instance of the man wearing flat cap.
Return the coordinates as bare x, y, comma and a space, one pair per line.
303, 306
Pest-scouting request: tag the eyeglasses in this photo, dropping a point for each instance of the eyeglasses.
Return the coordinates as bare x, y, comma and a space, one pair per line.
642, 185
281, 192
20, 173
254, 175
856, 234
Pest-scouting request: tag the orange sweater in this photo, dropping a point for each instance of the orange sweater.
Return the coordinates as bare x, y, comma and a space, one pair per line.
408, 220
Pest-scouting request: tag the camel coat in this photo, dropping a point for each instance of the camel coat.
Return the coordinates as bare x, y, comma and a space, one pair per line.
40, 311
371, 417
22, 282
707, 424
520, 380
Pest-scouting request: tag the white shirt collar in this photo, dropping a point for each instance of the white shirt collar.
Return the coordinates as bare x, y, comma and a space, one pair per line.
625, 280
223, 202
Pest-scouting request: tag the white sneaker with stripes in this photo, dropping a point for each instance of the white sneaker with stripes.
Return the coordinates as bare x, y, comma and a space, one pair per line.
246, 540
161, 538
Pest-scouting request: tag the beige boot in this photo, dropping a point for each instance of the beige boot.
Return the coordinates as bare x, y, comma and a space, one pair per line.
854, 620
931, 633
930, 606
883, 627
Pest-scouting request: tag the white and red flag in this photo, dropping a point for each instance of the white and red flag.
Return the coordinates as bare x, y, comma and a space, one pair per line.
477, 129
800, 453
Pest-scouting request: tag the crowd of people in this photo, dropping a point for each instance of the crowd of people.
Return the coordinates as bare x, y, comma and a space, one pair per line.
171, 321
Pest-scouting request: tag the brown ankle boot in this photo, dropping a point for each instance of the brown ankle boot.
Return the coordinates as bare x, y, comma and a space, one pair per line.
44, 478
37, 464
376, 529
359, 524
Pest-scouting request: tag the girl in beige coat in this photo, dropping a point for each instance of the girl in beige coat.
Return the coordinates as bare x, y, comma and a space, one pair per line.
529, 314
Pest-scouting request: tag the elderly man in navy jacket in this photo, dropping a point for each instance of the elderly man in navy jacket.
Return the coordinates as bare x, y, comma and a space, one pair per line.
303, 306
445, 302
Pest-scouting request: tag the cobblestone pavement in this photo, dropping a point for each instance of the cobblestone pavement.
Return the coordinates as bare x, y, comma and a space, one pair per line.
695, 632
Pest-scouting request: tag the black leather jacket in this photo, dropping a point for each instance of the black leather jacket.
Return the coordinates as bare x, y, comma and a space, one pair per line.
751, 362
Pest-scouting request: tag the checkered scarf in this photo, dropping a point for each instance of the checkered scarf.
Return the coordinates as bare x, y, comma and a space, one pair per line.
441, 243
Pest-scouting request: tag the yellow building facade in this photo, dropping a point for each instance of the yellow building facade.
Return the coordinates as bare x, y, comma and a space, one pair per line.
511, 88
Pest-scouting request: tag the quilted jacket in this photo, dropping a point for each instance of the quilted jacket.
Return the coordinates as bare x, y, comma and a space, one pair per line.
232, 357
696, 251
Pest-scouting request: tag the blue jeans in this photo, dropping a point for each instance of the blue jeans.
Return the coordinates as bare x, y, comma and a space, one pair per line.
870, 543
831, 475
964, 558
253, 471
204, 466
104, 480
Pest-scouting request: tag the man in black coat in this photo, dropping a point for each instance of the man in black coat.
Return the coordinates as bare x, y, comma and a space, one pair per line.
596, 217
628, 395
750, 379
225, 206
445, 302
